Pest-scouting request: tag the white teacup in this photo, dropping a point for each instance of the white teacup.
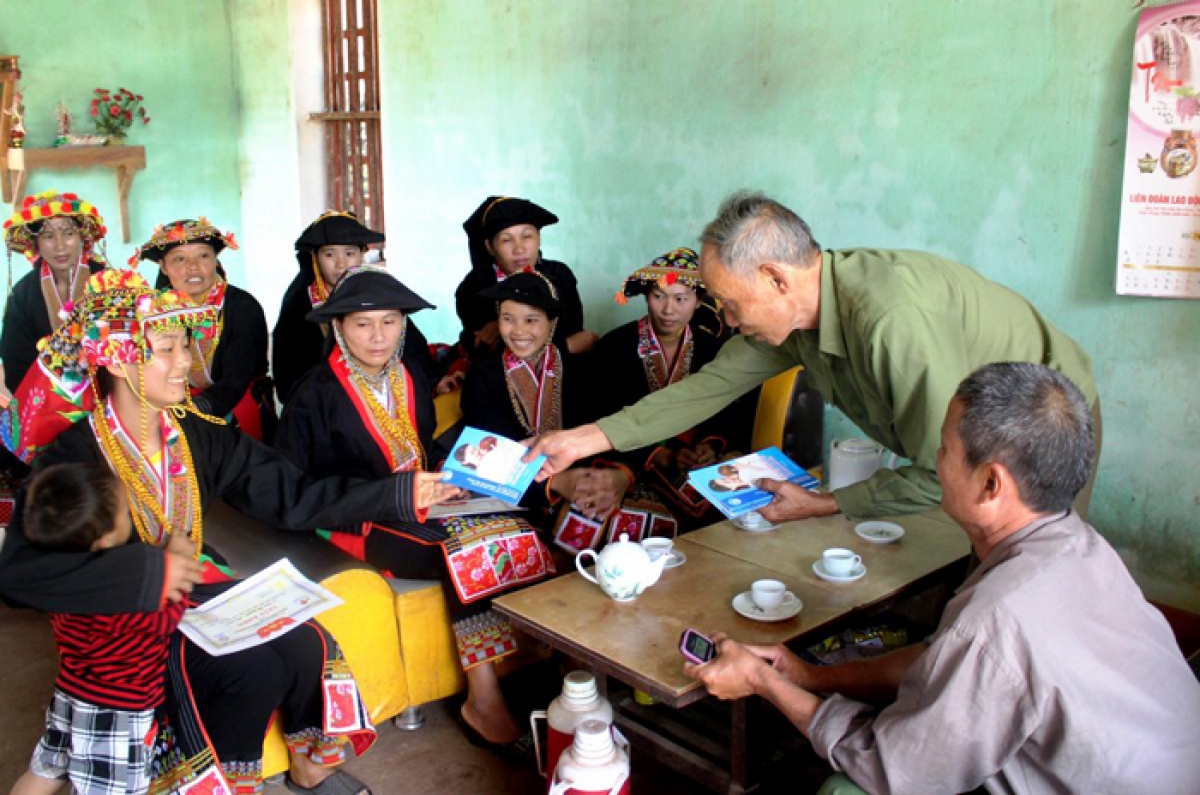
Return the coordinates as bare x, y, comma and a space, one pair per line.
657, 547
840, 562
770, 594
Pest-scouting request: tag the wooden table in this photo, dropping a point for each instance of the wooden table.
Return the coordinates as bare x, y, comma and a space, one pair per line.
931, 544
638, 642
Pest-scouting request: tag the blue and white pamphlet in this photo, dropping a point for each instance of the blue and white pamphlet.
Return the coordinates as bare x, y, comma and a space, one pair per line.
490, 464
730, 484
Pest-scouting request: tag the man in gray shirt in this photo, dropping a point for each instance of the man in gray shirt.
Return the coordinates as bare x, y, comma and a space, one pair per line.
1049, 671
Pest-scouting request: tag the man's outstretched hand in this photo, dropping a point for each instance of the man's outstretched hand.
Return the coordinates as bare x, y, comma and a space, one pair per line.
564, 448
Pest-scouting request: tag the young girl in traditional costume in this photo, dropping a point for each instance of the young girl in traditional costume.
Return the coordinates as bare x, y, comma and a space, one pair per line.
503, 238
679, 334
331, 245
368, 411
111, 668
229, 371
120, 366
531, 387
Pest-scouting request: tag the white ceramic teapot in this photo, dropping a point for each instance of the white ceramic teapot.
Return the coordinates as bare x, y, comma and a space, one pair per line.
854, 460
623, 569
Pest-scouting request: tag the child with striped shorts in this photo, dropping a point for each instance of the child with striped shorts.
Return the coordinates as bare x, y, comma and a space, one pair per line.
100, 726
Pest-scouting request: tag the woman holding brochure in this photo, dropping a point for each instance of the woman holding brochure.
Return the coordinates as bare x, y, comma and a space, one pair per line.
532, 387
680, 333
120, 365
366, 412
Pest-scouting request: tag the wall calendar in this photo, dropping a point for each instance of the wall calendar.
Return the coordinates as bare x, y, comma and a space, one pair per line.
1158, 250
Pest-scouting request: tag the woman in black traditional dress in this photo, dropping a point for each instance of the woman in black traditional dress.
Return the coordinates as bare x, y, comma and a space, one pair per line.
531, 387
679, 334
503, 238
229, 373
131, 348
367, 411
331, 245
59, 233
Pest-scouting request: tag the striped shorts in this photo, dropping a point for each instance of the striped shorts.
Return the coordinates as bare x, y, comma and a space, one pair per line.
102, 751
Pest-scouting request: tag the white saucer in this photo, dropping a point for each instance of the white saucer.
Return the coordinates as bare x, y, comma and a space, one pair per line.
675, 559
753, 522
879, 532
857, 573
744, 604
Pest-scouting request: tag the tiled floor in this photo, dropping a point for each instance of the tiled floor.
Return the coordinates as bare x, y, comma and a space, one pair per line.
435, 759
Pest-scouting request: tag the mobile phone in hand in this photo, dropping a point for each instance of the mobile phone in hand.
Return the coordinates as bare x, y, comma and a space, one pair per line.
696, 648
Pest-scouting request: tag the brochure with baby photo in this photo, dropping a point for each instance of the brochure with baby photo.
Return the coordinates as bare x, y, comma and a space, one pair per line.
490, 464
730, 485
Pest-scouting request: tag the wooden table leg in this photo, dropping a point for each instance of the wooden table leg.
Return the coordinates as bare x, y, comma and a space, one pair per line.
737, 749
601, 683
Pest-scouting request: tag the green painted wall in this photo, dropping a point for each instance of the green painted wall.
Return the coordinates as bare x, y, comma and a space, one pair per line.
986, 131
176, 53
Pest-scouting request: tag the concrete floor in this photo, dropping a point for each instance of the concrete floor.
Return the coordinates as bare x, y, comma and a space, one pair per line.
435, 759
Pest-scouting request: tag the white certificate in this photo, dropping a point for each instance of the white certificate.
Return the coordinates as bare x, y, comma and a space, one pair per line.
257, 610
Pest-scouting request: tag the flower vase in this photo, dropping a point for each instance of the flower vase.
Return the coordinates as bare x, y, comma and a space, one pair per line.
115, 140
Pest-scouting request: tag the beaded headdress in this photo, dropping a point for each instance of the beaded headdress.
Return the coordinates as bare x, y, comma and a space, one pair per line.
680, 266
110, 324
179, 233
18, 230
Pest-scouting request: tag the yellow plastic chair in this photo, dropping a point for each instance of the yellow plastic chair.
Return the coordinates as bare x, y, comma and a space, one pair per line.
790, 416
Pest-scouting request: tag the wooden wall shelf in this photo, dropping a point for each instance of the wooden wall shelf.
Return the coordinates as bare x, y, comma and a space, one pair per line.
124, 160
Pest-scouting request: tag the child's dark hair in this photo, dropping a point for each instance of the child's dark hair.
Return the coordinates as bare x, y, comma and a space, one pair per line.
70, 506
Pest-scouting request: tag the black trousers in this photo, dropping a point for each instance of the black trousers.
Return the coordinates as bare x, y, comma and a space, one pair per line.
236, 694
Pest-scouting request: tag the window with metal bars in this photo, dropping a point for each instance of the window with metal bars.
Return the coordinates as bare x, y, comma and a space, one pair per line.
353, 154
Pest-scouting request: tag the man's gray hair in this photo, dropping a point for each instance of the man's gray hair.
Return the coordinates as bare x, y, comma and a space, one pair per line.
751, 229
1036, 423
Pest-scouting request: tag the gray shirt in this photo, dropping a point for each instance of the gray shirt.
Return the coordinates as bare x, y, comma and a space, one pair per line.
1049, 673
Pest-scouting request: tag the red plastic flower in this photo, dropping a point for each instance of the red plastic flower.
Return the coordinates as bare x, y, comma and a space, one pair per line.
114, 111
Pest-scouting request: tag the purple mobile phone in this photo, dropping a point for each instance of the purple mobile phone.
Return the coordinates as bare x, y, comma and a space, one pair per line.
696, 647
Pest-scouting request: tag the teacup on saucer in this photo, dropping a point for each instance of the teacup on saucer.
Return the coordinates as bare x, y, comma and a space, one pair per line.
790, 607
856, 573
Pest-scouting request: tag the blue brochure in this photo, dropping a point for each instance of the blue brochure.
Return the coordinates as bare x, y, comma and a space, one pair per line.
490, 464
730, 485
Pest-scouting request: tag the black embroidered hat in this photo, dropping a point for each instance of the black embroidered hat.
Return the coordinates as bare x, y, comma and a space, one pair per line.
333, 228
527, 287
368, 288
498, 213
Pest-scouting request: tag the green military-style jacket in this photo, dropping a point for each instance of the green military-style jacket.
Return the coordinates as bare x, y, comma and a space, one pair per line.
898, 332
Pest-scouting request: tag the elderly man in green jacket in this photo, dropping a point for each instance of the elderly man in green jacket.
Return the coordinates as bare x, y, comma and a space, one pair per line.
886, 336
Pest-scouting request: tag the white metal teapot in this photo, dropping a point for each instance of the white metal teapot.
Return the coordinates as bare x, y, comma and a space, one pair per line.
623, 569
